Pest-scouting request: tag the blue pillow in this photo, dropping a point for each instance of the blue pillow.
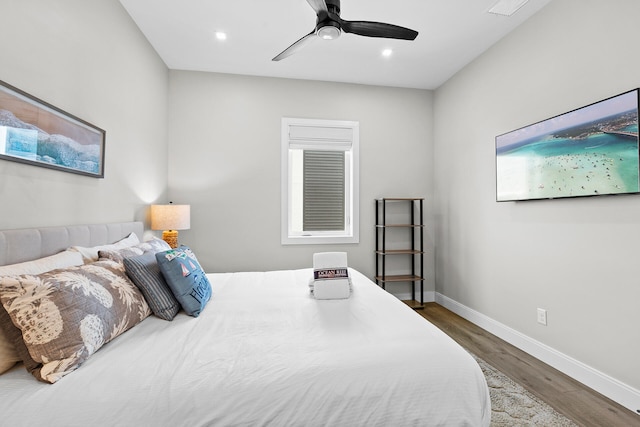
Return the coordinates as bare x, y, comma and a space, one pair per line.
185, 278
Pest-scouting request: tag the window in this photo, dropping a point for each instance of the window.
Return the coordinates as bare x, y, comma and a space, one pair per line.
319, 181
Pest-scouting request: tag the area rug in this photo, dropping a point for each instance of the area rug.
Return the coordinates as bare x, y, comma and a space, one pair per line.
513, 406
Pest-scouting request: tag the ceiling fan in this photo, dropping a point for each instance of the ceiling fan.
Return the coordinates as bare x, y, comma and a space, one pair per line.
329, 26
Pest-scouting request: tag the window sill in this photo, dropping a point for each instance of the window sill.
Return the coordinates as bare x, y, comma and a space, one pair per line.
319, 240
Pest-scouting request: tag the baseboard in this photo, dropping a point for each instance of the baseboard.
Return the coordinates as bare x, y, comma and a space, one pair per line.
615, 390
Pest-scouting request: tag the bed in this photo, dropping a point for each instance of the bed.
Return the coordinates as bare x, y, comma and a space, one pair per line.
263, 352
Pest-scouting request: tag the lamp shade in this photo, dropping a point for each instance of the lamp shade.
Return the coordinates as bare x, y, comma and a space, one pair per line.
170, 217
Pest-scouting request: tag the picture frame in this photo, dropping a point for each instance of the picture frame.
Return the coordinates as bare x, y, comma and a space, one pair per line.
35, 132
590, 151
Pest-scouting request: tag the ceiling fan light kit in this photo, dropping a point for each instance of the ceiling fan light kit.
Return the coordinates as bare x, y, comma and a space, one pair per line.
329, 31
329, 26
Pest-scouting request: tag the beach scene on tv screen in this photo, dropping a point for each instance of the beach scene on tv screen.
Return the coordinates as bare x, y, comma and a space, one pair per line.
586, 152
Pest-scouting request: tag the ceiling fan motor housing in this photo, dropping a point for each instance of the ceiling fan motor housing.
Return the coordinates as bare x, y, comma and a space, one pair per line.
327, 27
333, 6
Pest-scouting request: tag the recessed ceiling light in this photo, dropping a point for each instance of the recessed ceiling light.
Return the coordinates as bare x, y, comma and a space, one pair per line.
507, 7
220, 35
387, 53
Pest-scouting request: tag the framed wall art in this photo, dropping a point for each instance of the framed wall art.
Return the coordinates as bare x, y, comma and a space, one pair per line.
37, 133
590, 151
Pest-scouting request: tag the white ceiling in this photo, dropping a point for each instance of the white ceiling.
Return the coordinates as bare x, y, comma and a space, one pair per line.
452, 34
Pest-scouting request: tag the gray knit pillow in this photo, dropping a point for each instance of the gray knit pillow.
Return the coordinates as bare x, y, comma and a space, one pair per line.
118, 255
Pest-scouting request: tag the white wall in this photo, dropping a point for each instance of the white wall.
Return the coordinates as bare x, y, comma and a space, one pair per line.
577, 258
224, 159
89, 59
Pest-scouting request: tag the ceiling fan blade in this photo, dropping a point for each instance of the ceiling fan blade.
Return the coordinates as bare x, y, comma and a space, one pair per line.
296, 46
318, 5
378, 29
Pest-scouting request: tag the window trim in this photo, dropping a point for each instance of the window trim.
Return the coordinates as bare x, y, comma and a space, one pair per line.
352, 203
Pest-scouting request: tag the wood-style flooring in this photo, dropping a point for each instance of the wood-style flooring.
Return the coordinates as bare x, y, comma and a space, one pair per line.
571, 398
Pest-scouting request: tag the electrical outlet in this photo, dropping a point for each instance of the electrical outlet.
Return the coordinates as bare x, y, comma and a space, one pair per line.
542, 316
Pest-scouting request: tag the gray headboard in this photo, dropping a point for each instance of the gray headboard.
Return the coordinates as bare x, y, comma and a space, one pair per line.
33, 243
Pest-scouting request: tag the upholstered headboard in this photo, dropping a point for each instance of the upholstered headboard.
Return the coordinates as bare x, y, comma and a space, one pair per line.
33, 243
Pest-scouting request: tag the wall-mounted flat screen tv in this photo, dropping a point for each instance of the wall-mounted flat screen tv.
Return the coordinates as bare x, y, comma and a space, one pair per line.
589, 151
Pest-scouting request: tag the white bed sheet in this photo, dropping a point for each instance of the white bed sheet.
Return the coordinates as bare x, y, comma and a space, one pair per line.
264, 352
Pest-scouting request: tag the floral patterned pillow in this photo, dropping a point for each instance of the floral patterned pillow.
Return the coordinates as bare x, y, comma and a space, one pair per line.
66, 315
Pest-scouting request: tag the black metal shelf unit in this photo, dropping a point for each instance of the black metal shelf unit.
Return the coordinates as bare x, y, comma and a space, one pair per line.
414, 247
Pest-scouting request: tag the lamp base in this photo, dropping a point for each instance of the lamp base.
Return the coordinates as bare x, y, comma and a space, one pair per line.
171, 237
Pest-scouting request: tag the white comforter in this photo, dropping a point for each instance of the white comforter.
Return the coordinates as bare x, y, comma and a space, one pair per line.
262, 353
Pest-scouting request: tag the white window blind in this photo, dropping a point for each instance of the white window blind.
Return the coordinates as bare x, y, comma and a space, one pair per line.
319, 181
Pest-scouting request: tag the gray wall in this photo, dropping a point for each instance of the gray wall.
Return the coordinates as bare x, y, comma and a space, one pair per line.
577, 258
89, 59
224, 158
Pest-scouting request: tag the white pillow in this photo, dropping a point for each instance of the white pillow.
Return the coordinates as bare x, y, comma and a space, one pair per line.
42, 265
8, 353
91, 254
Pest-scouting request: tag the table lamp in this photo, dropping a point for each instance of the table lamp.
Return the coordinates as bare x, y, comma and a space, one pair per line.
170, 218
